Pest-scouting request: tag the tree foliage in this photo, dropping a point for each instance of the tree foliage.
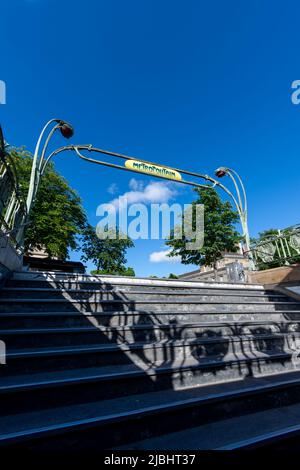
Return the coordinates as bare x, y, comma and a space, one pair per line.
220, 234
107, 254
264, 236
57, 217
122, 272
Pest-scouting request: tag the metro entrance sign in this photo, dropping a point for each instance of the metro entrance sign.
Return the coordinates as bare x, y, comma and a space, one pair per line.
153, 170
138, 166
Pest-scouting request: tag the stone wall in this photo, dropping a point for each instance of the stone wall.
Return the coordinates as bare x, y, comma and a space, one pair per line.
279, 275
10, 260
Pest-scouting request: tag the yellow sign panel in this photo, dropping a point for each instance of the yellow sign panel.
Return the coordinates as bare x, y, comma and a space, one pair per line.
155, 170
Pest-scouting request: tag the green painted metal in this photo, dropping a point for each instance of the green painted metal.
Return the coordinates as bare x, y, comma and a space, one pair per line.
279, 249
40, 161
12, 206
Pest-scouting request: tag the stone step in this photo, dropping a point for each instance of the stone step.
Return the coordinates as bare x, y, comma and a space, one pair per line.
53, 319
133, 420
67, 387
158, 306
102, 294
74, 340
67, 336
206, 289
286, 437
278, 429
126, 281
147, 355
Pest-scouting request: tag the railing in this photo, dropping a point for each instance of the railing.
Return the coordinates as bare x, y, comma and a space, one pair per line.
12, 205
281, 249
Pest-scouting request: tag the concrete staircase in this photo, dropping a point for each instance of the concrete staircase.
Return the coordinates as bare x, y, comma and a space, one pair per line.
111, 362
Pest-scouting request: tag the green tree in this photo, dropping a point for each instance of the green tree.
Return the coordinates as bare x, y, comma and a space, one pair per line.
265, 235
173, 276
220, 234
57, 217
107, 254
120, 272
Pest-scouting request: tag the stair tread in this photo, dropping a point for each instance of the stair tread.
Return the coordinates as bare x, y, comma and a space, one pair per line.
144, 301
55, 276
140, 292
73, 416
62, 350
231, 433
111, 372
92, 329
143, 312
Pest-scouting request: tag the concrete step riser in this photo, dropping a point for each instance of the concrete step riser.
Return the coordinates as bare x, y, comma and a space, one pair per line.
128, 281
142, 383
72, 320
99, 296
150, 335
138, 288
89, 392
130, 430
152, 356
66, 306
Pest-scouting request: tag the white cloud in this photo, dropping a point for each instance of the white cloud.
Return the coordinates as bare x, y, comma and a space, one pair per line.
153, 192
162, 257
113, 188
136, 185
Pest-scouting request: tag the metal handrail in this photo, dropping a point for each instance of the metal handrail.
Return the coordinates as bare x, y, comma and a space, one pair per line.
285, 248
13, 209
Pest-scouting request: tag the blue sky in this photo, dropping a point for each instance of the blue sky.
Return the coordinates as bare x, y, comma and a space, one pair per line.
190, 84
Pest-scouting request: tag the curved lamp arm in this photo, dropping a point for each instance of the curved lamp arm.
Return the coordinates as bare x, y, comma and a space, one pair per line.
238, 184
32, 184
38, 158
233, 172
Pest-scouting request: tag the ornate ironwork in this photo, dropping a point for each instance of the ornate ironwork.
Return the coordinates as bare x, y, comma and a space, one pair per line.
279, 249
13, 215
12, 206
